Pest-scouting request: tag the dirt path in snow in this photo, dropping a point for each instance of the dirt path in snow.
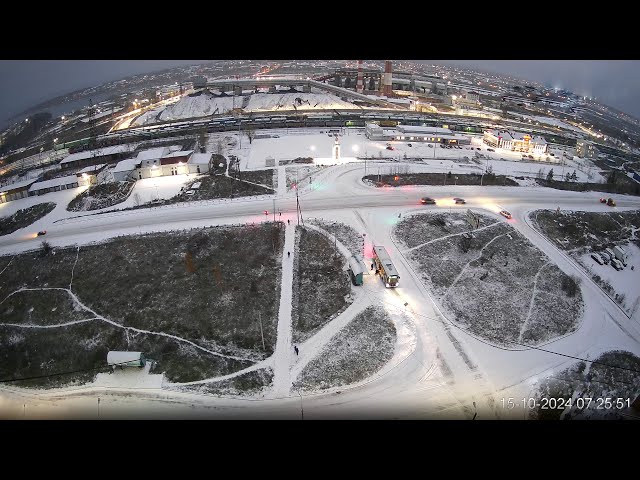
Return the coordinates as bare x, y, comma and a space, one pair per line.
283, 354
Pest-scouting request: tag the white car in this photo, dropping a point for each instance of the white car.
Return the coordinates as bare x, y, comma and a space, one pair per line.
615, 263
597, 258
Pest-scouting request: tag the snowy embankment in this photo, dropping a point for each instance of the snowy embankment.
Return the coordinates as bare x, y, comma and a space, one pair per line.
200, 106
296, 101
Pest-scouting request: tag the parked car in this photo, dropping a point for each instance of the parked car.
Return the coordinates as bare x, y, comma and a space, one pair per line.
505, 214
430, 146
427, 201
478, 148
42, 232
616, 264
531, 157
597, 258
605, 258
490, 150
409, 145
459, 201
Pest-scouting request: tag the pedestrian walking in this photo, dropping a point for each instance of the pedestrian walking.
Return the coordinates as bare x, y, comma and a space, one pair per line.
289, 254
280, 214
288, 222
296, 349
372, 266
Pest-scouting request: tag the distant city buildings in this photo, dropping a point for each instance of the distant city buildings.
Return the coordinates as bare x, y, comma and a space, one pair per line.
586, 149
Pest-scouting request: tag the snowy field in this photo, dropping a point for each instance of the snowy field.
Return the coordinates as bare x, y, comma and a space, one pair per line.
321, 289
579, 233
497, 285
344, 234
294, 143
69, 298
590, 391
355, 353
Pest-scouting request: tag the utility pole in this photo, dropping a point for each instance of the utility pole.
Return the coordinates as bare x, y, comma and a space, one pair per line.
274, 210
261, 334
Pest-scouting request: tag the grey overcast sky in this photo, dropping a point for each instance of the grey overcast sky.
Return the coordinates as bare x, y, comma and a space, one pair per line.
25, 83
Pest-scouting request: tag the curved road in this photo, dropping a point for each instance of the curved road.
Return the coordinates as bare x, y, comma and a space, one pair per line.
446, 374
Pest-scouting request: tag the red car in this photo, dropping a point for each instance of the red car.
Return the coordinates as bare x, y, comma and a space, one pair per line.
505, 214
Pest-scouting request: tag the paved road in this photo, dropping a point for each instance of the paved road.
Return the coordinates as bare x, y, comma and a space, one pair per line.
445, 373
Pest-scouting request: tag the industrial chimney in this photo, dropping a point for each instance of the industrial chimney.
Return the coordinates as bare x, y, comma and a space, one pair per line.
388, 69
360, 83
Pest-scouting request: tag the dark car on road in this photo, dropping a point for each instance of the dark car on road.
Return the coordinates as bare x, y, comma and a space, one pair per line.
42, 232
459, 201
427, 201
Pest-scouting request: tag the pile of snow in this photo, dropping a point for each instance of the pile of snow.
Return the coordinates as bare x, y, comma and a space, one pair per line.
295, 101
200, 106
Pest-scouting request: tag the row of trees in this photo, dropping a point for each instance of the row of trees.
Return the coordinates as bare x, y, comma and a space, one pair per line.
569, 177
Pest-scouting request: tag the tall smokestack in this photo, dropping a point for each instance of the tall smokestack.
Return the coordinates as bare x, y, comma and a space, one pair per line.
360, 83
388, 69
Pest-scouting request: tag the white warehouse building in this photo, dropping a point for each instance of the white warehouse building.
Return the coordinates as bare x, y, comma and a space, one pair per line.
515, 141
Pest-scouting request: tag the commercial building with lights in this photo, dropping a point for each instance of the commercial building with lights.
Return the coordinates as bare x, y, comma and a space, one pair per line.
15, 191
160, 162
586, 149
93, 175
515, 141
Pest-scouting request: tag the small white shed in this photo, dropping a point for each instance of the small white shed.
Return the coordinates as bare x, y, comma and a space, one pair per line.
126, 359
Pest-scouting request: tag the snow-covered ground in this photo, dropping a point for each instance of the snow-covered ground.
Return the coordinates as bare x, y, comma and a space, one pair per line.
551, 121
624, 282
149, 189
442, 370
200, 106
207, 104
260, 102
290, 144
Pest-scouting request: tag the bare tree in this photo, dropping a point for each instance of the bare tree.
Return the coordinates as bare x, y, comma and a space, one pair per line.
250, 132
202, 140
